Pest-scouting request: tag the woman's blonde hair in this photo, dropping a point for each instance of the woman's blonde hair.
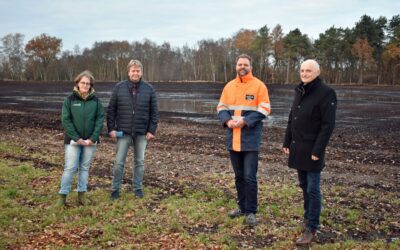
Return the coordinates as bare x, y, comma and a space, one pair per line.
86, 73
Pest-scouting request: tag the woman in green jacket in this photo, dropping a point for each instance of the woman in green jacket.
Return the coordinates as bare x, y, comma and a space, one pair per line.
82, 118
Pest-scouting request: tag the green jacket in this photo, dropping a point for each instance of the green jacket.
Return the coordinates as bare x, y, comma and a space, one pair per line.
82, 118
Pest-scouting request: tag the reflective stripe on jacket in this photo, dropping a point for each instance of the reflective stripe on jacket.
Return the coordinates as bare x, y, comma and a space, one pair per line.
244, 97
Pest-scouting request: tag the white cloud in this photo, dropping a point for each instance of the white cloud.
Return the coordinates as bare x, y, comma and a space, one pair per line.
179, 22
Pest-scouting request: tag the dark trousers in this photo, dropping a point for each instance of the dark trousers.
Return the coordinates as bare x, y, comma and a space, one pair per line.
310, 184
245, 166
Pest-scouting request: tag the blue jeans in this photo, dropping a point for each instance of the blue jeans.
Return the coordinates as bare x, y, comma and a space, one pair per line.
245, 166
139, 143
77, 158
310, 184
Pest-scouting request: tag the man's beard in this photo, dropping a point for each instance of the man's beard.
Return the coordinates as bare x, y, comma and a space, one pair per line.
243, 72
134, 80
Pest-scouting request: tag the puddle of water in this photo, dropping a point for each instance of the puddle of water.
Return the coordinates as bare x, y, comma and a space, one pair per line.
355, 106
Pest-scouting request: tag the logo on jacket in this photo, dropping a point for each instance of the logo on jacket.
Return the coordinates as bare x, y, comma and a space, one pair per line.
77, 104
249, 97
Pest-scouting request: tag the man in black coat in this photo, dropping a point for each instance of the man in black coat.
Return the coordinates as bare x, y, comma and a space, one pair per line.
310, 125
132, 118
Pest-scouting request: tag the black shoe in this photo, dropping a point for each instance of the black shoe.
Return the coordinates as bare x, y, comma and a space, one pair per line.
235, 213
139, 193
115, 195
251, 220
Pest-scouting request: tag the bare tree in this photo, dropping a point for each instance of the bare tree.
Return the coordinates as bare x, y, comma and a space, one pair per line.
13, 52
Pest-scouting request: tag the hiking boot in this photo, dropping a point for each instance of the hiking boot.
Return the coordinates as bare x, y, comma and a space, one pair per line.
81, 198
251, 219
306, 238
138, 193
62, 200
115, 195
235, 213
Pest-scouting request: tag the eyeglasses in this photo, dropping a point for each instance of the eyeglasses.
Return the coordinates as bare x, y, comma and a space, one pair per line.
85, 83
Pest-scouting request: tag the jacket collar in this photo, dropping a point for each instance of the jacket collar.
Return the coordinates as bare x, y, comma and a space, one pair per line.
88, 97
131, 84
304, 89
245, 79
137, 83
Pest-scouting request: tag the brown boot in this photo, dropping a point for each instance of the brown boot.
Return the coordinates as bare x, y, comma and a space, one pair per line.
306, 238
304, 225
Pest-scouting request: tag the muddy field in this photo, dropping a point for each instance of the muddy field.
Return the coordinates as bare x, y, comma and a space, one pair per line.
360, 155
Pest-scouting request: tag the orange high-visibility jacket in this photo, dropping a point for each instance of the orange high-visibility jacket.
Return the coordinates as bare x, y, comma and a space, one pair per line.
244, 98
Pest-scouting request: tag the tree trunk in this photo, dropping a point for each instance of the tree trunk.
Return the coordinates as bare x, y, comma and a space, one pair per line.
288, 72
117, 66
212, 67
225, 73
360, 77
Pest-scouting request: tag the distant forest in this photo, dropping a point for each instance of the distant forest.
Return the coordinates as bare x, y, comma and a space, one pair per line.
368, 53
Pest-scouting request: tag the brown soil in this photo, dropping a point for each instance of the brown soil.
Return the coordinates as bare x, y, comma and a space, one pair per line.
357, 157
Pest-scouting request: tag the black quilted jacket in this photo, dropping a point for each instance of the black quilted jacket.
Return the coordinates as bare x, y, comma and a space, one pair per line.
131, 115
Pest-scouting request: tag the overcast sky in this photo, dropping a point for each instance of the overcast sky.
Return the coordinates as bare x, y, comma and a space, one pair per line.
83, 22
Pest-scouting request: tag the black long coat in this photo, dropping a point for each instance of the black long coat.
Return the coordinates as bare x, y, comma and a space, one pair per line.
310, 125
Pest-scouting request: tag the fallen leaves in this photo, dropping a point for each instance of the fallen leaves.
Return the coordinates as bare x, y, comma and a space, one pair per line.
55, 235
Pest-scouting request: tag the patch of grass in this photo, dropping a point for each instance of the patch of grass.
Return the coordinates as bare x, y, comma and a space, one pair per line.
11, 193
366, 192
394, 200
352, 244
50, 158
141, 228
227, 242
351, 215
7, 147
195, 218
275, 209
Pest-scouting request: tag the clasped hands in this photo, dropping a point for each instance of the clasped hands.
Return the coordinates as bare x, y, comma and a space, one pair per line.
236, 123
87, 142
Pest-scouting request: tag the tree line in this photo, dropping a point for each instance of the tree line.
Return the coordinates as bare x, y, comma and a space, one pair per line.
367, 53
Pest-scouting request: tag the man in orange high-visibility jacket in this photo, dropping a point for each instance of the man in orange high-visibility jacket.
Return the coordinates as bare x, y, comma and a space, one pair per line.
243, 105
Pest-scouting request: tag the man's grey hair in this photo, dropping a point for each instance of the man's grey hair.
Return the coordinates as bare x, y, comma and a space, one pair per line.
313, 62
135, 63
